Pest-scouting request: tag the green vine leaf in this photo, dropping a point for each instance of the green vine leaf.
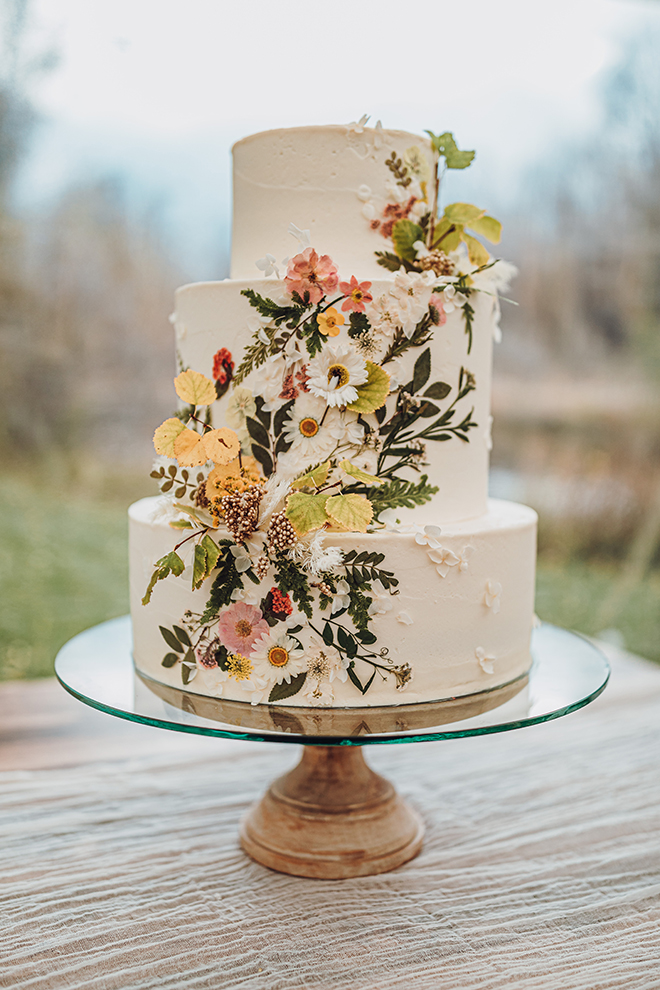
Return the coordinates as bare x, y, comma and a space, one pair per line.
314, 478
352, 512
446, 146
355, 472
171, 563
374, 392
306, 512
287, 690
404, 235
488, 227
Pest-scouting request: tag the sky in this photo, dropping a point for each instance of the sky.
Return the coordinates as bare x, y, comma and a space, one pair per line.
156, 91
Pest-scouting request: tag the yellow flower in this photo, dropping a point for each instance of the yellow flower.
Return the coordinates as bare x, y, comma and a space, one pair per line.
330, 322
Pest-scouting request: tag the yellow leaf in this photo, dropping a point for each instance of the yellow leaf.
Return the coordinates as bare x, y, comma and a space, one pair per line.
463, 213
359, 474
222, 446
195, 388
165, 436
189, 449
374, 392
306, 512
477, 252
314, 478
353, 512
488, 227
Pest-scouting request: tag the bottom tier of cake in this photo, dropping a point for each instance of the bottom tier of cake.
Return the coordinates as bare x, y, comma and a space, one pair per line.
457, 622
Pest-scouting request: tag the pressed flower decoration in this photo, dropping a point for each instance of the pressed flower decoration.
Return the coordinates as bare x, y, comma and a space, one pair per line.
326, 432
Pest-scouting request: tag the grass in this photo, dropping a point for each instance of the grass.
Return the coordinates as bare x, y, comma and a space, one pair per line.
64, 562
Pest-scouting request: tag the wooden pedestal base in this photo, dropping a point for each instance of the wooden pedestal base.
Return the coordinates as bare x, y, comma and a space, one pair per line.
331, 817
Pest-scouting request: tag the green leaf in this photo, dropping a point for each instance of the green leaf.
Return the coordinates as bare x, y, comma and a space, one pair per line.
347, 642
422, 371
354, 678
181, 524
358, 324
187, 673
212, 551
353, 512
390, 261
284, 690
200, 569
478, 254
404, 235
462, 213
261, 454
171, 563
171, 639
355, 472
258, 432
182, 635
280, 416
488, 227
374, 392
397, 493
314, 478
170, 659
328, 637
446, 146
306, 512
438, 390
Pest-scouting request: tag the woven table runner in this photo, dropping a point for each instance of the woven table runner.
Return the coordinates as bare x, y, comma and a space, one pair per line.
541, 868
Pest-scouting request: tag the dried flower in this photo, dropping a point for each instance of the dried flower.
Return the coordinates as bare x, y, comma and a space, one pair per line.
438, 262
241, 512
240, 625
330, 322
281, 535
223, 366
403, 675
207, 655
307, 273
357, 295
239, 667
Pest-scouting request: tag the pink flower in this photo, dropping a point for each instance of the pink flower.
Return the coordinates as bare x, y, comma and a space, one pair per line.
309, 273
357, 294
438, 304
240, 625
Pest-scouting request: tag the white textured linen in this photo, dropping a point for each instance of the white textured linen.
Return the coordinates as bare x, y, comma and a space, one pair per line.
541, 869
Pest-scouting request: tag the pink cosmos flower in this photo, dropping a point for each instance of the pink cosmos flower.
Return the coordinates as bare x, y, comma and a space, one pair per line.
438, 303
357, 294
309, 273
240, 625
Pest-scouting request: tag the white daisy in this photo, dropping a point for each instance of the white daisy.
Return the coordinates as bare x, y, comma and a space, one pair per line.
311, 428
335, 373
276, 657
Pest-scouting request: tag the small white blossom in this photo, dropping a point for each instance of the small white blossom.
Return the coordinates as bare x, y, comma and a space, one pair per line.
464, 557
453, 299
411, 294
421, 249
242, 560
393, 524
405, 618
492, 596
369, 211
341, 599
364, 193
444, 559
302, 236
429, 536
267, 382
485, 662
320, 695
358, 126
268, 265
381, 603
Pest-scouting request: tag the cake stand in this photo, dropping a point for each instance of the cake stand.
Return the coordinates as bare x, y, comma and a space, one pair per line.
331, 816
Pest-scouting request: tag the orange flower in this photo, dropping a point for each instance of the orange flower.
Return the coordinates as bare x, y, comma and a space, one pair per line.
330, 322
357, 294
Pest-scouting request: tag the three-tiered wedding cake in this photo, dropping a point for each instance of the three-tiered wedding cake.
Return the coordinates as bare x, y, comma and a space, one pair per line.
324, 535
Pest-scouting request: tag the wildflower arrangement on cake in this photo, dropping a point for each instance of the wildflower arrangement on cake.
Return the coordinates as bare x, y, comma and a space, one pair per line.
326, 434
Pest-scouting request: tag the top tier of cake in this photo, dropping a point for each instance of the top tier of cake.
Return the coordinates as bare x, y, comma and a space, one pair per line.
329, 180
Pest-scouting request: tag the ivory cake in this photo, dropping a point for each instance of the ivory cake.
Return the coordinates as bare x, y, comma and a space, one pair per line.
323, 535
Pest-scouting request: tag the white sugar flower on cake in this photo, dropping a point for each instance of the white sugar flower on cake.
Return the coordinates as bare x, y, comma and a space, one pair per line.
492, 596
335, 374
277, 657
486, 662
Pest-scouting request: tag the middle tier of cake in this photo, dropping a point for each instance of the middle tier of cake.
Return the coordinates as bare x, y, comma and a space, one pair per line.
455, 620
210, 316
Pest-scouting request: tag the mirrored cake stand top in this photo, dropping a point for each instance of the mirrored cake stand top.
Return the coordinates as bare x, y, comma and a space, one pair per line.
567, 673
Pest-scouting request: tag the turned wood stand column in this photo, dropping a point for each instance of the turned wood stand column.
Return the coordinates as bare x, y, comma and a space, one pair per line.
331, 817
